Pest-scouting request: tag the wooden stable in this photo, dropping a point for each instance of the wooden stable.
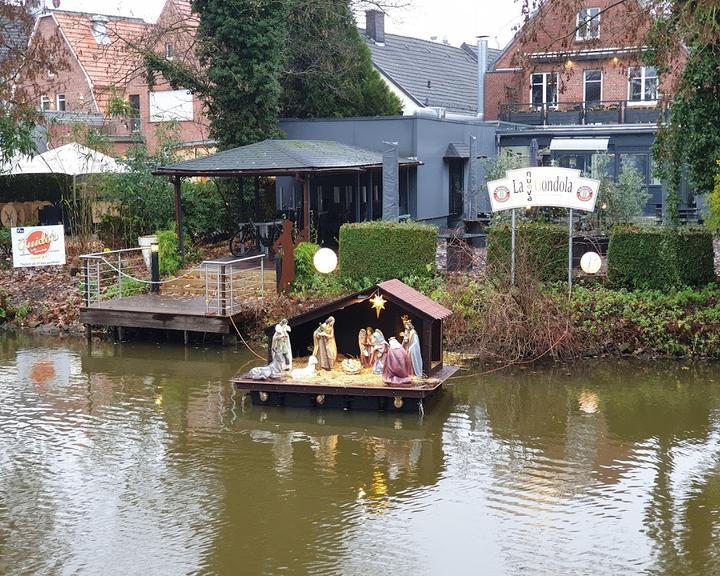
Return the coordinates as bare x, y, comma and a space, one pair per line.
365, 391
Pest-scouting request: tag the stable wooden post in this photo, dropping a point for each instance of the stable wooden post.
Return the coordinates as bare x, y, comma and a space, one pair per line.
306, 204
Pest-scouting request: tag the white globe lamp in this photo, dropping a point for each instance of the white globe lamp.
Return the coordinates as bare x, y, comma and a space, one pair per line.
325, 260
590, 262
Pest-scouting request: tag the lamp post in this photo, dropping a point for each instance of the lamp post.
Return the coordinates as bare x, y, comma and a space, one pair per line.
154, 269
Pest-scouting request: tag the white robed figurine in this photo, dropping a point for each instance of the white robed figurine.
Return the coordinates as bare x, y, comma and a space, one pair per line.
411, 343
280, 347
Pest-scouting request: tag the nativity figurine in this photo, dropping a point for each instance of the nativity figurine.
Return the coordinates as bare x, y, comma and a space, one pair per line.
398, 367
365, 343
379, 348
280, 348
324, 346
411, 343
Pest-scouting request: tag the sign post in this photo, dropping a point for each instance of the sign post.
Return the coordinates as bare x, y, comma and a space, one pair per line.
543, 186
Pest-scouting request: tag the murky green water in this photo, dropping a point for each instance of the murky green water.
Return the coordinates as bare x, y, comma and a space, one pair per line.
140, 459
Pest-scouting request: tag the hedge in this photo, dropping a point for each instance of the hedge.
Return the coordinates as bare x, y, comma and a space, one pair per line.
660, 258
378, 251
540, 247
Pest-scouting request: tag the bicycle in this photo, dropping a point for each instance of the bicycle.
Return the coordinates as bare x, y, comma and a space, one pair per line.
248, 239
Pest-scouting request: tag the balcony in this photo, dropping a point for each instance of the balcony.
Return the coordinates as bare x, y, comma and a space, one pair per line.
116, 129
580, 113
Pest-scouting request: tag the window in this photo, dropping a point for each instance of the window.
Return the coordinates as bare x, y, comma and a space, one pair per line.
169, 50
171, 105
588, 24
637, 161
643, 84
60, 102
44, 103
134, 100
593, 87
456, 172
99, 29
543, 89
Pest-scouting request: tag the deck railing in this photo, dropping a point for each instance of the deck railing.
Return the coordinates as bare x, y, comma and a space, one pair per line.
227, 284
574, 113
114, 274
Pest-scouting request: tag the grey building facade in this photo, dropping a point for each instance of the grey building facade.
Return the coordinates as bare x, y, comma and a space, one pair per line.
434, 192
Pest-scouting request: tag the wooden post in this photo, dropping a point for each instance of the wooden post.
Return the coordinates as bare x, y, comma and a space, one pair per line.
179, 219
306, 204
426, 345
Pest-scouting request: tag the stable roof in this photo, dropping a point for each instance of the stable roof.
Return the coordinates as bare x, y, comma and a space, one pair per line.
277, 157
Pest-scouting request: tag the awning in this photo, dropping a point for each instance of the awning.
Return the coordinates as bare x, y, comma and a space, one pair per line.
580, 144
457, 150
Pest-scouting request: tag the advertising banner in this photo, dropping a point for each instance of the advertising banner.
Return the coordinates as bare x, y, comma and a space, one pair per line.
38, 246
543, 187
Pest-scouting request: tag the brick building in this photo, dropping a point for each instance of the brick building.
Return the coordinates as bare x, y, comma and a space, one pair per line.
574, 84
103, 85
566, 66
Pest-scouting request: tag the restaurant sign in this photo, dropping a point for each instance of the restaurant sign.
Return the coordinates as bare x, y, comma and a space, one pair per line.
38, 246
543, 187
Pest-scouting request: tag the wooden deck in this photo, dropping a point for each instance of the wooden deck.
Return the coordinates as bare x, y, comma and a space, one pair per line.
363, 394
156, 311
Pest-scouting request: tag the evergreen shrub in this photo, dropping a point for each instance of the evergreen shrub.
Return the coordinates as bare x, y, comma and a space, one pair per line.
168, 253
542, 248
660, 258
376, 251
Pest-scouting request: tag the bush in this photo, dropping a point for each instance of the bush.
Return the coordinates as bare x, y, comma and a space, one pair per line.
660, 258
376, 251
169, 257
304, 269
541, 247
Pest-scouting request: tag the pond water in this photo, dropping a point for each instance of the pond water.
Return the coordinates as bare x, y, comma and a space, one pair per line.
140, 459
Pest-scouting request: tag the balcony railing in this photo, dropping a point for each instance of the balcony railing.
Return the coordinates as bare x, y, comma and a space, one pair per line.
582, 113
116, 128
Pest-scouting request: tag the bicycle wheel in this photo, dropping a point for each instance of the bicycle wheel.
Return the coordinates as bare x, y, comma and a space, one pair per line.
244, 241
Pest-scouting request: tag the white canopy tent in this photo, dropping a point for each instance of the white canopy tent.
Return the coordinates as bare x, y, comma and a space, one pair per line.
71, 159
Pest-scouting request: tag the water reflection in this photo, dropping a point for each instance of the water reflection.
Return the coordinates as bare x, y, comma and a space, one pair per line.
142, 459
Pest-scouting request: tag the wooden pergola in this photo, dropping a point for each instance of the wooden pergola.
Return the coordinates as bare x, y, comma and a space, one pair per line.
299, 159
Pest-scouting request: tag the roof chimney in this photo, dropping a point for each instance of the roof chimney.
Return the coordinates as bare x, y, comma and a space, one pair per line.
375, 25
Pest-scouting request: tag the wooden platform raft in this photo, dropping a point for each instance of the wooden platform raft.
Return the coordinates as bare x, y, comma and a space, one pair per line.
365, 390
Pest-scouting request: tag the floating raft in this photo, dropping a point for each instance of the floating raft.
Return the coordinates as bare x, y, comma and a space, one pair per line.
340, 391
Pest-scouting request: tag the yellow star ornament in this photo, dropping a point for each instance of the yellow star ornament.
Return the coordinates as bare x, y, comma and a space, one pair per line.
378, 303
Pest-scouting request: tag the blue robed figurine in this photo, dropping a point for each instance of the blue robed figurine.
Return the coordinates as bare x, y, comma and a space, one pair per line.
411, 343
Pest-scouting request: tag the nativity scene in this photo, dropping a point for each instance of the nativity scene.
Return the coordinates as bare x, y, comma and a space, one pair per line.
378, 349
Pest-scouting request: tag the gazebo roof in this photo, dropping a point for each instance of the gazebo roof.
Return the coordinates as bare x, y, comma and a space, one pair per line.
278, 157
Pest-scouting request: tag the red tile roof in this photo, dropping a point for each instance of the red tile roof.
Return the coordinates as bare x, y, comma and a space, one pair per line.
414, 299
107, 64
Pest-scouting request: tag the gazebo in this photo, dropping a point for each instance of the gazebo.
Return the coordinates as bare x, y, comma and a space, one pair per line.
364, 174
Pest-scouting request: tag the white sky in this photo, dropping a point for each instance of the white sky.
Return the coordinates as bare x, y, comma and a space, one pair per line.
457, 20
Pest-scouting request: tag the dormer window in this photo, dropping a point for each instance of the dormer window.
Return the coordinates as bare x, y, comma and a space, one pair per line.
99, 29
588, 24
169, 50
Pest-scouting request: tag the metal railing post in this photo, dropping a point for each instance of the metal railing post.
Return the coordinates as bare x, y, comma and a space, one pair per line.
119, 267
86, 278
97, 269
222, 294
207, 291
262, 278
232, 295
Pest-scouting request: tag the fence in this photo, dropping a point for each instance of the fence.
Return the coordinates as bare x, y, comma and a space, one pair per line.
226, 284
114, 274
